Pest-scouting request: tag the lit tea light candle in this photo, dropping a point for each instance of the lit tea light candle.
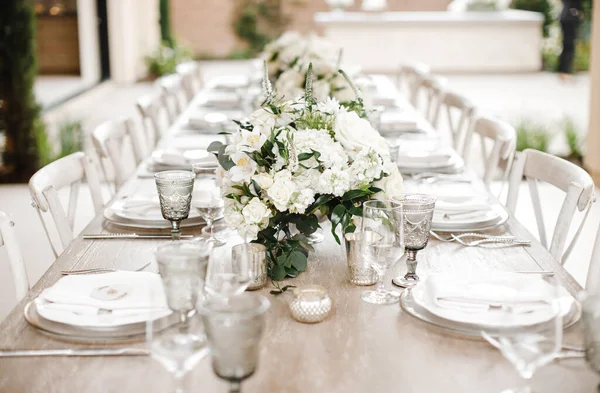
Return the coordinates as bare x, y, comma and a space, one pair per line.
311, 304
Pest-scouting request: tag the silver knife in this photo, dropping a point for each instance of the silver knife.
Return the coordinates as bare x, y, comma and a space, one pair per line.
130, 236
74, 352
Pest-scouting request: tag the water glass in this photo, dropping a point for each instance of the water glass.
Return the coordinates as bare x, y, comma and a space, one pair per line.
175, 194
251, 258
418, 214
228, 274
210, 207
531, 346
381, 244
182, 344
234, 330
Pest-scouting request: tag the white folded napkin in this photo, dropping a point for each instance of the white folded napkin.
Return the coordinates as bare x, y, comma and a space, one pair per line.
383, 100
417, 159
221, 100
76, 299
181, 159
442, 206
230, 82
397, 122
211, 119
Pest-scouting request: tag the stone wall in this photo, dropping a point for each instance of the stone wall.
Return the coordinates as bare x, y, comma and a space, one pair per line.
206, 25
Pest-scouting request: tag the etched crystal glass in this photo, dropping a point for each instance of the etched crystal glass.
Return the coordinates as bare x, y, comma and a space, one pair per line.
418, 214
175, 194
234, 330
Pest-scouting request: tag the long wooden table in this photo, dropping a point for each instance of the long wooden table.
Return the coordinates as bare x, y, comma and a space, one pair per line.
360, 347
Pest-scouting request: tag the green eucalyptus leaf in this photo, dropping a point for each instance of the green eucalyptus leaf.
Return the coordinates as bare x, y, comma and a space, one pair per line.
215, 147
299, 261
278, 273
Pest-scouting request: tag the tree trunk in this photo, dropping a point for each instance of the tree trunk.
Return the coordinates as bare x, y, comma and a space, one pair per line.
19, 110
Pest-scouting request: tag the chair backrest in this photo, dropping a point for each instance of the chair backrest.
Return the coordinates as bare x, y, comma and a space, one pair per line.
578, 185
8, 238
152, 109
174, 95
432, 88
409, 76
459, 117
592, 282
504, 140
193, 80
65, 172
117, 141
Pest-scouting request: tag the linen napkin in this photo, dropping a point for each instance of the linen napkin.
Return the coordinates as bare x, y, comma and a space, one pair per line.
176, 159
397, 122
86, 300
221, 100
230, 83
207, 120
410, 159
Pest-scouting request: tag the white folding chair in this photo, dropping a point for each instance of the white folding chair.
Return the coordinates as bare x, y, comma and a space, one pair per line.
578, 185
459, 117
117, 142
174, 95
504, 140
153, 111
431, 88
409, 75
8, 238
45, 184
193, 79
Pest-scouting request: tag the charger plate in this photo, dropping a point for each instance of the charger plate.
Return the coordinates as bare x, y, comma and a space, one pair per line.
130, 332
410, 305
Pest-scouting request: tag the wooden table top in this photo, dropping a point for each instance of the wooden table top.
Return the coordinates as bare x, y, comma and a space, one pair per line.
360, 347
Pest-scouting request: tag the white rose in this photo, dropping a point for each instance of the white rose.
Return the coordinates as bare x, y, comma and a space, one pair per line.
320, 90
264, 180
355, 133
249, 232
255, 212
280, 193
233, 218
391, 185
290, 83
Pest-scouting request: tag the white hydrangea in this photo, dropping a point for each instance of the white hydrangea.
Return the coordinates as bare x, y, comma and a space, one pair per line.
367, 166
334, 181
300, 200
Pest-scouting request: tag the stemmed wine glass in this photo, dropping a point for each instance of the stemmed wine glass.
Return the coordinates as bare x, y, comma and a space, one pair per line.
210, 207
381, 244
175, 194
531, 346
418, 214
228, 275
234, 330
180, 346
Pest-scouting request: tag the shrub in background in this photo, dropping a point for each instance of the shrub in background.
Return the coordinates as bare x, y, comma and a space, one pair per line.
19, 110
164, 59
164, 20
542, 6
532, 135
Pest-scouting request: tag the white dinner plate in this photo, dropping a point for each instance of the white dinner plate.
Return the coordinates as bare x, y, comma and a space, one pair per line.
496, 216
491, 318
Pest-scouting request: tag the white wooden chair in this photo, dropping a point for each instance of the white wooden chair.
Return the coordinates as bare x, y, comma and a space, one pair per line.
409, 76
8, 238
117, 142
504, 141
592, 282
174, 95
460, 114
193, 78
578, 185
431, 88
154, 118
45, 184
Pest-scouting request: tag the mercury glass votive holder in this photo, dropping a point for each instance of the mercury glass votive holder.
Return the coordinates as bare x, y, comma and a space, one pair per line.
311, 304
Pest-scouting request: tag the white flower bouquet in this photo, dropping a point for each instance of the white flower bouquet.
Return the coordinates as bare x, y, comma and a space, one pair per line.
294, 159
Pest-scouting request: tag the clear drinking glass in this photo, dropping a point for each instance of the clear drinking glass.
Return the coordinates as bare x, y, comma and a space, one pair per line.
175, 194
531, 346
418, 214
234, 330
228, 275
251, 258
181, 345
381, 244
210, 207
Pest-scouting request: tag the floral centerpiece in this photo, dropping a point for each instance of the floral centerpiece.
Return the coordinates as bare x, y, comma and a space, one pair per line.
296, 159
288, 59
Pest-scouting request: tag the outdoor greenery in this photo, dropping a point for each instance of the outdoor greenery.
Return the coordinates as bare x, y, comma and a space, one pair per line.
532, 135
164, 60
19, 110
166, 35
543, 6
256, 23
69, 137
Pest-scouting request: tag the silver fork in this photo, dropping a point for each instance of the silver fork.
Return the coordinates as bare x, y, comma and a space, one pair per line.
508, 241
98, 270
454, 237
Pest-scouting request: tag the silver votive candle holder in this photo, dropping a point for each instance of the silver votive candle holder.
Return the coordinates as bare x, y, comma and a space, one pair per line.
256, 256
359, 270
311, 304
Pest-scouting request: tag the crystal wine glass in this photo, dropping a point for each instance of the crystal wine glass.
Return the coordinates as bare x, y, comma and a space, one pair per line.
175, 194
180, 346
531, 346
228, 275
210, 207
418, 214
234, 330
381, 244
